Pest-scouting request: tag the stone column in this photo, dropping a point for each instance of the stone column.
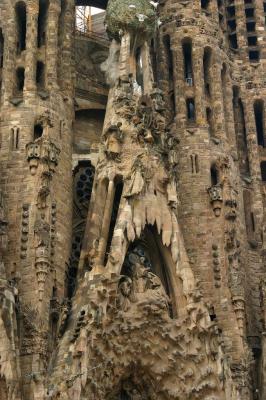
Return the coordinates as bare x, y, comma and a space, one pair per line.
31, 46
124, 64
52, 44
254, 162
147, 70
179, 86
8, 77
241, 28
217, 99
108, 208
197, 61
260, 26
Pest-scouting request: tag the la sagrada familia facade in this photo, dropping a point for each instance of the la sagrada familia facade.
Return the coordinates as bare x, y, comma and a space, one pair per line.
132, 197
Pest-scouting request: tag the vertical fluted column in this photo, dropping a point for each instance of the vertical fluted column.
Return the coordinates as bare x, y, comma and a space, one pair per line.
217, 99
197, 57
52, 43
179, 83
31, 46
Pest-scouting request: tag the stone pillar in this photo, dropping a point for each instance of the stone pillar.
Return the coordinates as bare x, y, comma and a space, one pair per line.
179, 83
253, 156
147, 70
8, 77
241, 28
52, 43
108, 208
31, 46
260, 26
217, 99
124, 65
197, 60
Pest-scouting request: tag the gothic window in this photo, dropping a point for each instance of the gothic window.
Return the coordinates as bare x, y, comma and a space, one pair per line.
40, 75
240, 132
205, 5
21, 19
263, 171
187, 56
259, 118
82, 185
169, 57
206, 70
1, 55
249, 216
20, 79
191, 116
214, 175
38, 131
210, 121
42, 21
1, 49
194, 159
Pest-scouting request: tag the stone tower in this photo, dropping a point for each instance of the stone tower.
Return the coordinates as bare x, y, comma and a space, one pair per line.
132, 228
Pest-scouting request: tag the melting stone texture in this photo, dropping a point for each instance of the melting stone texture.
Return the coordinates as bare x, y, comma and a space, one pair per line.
132, 197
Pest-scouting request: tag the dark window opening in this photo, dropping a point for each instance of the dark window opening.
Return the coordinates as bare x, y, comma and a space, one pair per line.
233, 41
38, 131
206, 70
169, 57
231, 11
139, 68
240, 132
249, 216
249, 12
251, 26
42, 22
214, 175
263, 171
187, 55
191, 116
116, 204
254, 55
40, 75
264, 7
21, 19
1, 49
205, 4
172, 103
232, 25
259, 118
82, 189
252, 40
210, 120
20, 78
253, 221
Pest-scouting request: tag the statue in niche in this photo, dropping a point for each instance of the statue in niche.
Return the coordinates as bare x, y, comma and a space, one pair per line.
141, 285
